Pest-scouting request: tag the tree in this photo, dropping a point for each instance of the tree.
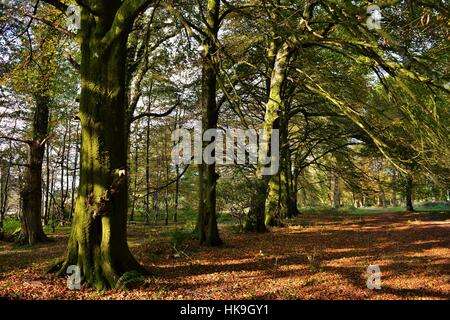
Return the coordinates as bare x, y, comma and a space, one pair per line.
98, 241
35, 76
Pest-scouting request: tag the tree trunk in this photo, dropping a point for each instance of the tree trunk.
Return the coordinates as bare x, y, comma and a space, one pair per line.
66, 195
394, 192
272, 120
208, 231
147, 173
255, 220
62, 200
156, 192
31, 194
177, 182
98, 241
5, 176
47, 184
136, 172
74, 175
177, 193
409, 193
279, 200
155, 206
336, 191
166, 196
51, 207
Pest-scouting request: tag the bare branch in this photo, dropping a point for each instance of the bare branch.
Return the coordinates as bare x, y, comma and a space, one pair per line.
155, 115
16, 140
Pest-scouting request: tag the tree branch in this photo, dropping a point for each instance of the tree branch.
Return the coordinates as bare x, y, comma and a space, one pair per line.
58, 5
124, 19
16, 139
173, 181
155, 115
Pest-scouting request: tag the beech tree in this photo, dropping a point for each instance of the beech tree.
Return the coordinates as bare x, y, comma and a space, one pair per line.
98, 241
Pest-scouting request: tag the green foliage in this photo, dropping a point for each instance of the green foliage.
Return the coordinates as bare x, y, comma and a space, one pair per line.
130, 280
11, 226
180, 235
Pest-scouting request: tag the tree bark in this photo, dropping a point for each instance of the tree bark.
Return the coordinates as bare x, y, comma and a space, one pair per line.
282, 193
272, 120
207, 229
32, 231
98, 241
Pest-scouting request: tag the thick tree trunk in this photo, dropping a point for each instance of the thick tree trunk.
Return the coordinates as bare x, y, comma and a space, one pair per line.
31, 194
255, 220
207, 229
273, 211
283, 185
98, 241
272, 120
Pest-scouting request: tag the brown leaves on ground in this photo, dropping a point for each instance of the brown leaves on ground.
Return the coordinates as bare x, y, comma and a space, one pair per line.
315, 257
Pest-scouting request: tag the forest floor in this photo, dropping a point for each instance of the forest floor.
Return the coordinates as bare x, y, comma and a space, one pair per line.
313, 257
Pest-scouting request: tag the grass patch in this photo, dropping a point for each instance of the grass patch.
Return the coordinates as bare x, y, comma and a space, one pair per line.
10, 226
178, 236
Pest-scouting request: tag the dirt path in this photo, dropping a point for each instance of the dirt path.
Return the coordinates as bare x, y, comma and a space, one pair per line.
316, 257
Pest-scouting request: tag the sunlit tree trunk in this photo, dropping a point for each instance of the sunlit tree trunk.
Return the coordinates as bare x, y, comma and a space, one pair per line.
272, 120
98, 241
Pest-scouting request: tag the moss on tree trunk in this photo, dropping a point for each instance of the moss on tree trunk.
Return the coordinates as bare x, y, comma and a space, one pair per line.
206, 227
98, 240
274, 106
